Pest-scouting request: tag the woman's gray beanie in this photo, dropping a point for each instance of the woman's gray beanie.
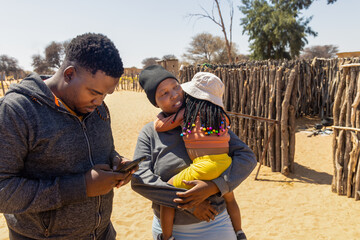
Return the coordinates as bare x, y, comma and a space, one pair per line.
151, 77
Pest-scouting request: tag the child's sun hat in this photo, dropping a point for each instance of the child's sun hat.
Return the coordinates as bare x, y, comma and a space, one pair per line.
205, 86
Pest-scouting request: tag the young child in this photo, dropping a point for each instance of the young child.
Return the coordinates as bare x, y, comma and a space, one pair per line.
205, 133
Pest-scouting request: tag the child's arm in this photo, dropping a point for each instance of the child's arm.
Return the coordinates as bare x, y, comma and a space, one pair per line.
163, 124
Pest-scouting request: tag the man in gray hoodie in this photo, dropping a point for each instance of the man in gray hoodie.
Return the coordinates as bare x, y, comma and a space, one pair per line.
57, 150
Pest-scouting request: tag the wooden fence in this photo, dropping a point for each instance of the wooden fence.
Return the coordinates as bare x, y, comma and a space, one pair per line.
5, 84
129, 83
283, 90
265, 97
260, 90
278, 91
346, 149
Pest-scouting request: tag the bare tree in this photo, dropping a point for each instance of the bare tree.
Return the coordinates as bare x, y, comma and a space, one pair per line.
220, 22
325, 51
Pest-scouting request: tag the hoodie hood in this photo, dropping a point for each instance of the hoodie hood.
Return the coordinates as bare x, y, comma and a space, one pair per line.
35, 88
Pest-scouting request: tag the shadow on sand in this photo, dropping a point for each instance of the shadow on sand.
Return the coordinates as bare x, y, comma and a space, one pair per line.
303, 175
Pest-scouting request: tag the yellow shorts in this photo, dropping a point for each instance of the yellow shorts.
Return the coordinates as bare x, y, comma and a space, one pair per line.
207, 167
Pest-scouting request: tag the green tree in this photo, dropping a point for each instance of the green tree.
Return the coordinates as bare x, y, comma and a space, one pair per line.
275, 30
299, 4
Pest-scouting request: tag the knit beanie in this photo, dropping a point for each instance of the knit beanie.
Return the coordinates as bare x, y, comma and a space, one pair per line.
151, 77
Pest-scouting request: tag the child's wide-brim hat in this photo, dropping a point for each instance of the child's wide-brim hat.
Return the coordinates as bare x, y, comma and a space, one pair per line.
205, 86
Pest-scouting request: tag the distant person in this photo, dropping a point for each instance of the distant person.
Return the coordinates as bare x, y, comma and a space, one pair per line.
167, 156
205, 126
57, 149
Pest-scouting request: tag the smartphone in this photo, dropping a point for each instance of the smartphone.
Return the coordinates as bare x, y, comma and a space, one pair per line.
130, 165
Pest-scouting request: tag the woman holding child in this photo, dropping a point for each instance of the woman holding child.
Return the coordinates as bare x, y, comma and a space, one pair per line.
200, 213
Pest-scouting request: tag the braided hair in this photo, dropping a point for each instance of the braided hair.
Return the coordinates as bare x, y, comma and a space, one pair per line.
213, 118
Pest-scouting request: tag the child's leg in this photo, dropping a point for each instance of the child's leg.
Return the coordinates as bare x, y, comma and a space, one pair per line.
233, 210
167, 215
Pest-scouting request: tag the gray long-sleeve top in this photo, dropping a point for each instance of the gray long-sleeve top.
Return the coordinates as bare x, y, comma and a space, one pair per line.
167, 156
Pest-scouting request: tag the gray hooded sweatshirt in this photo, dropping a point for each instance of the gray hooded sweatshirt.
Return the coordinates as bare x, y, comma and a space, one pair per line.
45, 153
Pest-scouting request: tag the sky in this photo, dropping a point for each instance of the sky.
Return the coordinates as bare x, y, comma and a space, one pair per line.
150, 28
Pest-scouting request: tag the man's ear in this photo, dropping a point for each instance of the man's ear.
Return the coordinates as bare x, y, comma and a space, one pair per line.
69, 73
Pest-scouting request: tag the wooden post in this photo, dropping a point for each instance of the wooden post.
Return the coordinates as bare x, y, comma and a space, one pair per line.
350, 82
278, 118
284, 125
336, 117
354, 156
356, 101
272, 114
265, 149
2, 77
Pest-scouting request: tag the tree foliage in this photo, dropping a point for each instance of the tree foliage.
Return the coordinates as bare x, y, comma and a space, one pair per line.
169, 56
203, 47
149, 61
54, 55
325, 51
275, 30
206, 48
9, 65
40, 65
299, 4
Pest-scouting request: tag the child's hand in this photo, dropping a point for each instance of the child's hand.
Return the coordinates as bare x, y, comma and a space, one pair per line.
204, 211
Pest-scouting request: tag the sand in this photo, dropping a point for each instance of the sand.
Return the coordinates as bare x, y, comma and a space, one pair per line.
300, 206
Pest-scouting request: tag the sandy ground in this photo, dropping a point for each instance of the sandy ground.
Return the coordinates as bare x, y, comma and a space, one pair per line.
300, 206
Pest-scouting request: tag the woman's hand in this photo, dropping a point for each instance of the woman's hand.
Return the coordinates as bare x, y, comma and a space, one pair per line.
194, 196
204, 211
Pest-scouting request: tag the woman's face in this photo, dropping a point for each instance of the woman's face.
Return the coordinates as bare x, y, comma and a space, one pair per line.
169, 96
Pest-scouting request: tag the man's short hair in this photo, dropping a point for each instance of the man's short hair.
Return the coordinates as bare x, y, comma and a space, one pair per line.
94, 52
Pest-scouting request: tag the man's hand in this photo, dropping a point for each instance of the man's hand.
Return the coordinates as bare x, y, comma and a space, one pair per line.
204, 211
118, 163
194, 196
101, 179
